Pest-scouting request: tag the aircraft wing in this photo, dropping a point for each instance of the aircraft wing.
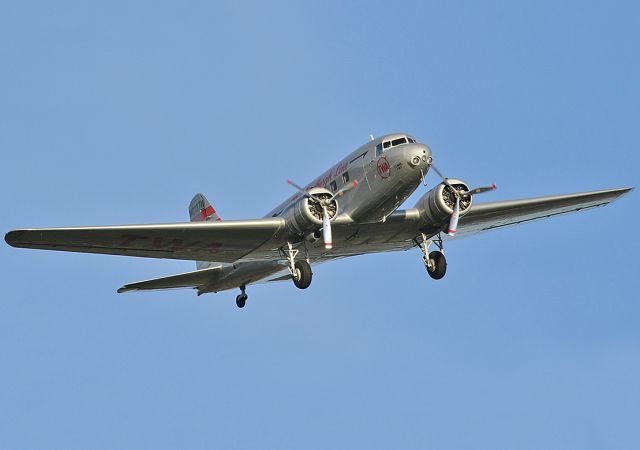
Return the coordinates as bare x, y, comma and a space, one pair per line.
259, 239
403, 227
489, 216
225, 241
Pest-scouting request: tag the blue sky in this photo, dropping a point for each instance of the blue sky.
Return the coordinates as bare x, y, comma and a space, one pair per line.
118, 112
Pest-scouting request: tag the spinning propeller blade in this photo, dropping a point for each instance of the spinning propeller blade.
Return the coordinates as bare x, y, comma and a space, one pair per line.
480, 190
453, 222
444, 179
342, 191
326, 229
302, 190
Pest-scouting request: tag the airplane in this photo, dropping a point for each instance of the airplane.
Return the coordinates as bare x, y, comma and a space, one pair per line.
350, 209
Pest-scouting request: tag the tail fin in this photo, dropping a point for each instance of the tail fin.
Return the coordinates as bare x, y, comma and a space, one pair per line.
201, 210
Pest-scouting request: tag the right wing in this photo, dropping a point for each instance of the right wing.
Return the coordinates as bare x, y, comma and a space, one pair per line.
226, 241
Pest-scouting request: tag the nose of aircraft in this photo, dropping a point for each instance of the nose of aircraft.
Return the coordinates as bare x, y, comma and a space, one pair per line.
418, 156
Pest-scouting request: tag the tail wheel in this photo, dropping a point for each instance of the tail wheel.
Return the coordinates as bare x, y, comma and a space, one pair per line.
241, 300
437, 265
302, 274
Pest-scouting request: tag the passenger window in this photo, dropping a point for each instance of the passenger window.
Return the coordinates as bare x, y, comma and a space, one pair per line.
345, 178
379, 149
399, 141
386, 144
333, 186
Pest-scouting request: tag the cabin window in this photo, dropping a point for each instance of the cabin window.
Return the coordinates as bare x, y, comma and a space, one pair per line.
399, 141
379, 149
333, 186
345, 178
386, 144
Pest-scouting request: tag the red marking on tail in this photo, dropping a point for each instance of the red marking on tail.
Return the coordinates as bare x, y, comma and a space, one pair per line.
208, 212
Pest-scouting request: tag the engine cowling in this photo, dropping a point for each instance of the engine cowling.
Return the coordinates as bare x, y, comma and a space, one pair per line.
305, 215
436, 206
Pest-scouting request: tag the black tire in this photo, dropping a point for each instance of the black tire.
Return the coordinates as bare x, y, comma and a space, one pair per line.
439, 265
241, 300
303, 270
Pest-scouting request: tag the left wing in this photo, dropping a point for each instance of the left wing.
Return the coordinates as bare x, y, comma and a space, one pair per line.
226, 241
403, 227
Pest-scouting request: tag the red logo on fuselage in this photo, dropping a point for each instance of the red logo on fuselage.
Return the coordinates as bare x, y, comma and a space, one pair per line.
384, 169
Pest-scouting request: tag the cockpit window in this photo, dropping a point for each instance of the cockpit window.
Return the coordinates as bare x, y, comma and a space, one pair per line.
388, 144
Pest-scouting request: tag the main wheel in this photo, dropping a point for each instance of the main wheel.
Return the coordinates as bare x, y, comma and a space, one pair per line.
437, 265
302, 275
241, 300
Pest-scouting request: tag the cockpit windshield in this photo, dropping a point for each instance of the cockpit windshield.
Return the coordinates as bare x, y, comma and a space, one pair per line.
383, 146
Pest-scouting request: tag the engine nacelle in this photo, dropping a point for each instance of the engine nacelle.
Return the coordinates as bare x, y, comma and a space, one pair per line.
305, 215
436, 206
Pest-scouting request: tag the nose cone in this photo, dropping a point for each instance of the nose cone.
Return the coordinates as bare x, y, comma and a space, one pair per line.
418, 156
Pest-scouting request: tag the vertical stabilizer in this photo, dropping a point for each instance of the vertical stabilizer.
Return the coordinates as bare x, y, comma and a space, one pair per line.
200, 210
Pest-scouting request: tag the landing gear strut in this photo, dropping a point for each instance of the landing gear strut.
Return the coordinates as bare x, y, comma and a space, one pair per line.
242, 298
434, 262
300, 270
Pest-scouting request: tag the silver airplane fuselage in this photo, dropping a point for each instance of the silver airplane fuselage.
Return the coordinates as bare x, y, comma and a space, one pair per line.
385, 178
387, 171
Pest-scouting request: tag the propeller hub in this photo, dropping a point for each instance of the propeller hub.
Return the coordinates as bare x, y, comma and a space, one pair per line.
321, 201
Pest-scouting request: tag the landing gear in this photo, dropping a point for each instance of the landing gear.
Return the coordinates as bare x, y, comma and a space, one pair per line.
434, 262
242, 298
300, 270
302, 275
437, 265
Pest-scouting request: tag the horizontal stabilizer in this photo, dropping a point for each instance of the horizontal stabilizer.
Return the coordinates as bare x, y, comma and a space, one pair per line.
192, 280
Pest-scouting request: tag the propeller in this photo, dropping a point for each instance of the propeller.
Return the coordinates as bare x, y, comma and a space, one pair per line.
453, 220
324, 203
326, 229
